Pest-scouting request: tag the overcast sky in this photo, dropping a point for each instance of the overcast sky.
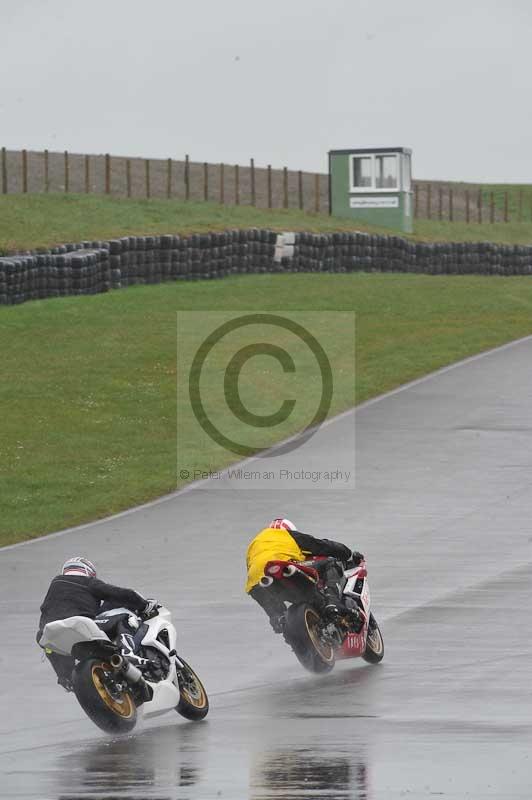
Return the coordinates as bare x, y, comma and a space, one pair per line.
284, 81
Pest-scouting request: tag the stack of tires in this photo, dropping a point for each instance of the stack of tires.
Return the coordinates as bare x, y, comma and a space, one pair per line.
95, 266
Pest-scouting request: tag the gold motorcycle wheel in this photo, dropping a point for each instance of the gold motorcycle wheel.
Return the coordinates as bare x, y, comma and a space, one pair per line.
121, 704
193, 701
303, 633
106, 700
312, 622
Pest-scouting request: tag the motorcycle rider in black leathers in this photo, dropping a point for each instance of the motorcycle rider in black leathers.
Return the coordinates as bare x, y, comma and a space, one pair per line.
282, 541
78, 592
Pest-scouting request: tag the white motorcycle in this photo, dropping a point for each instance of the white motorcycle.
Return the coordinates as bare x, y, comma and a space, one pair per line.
125, 663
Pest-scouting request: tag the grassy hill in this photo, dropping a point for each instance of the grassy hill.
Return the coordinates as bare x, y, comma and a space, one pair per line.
88, 392
31, 221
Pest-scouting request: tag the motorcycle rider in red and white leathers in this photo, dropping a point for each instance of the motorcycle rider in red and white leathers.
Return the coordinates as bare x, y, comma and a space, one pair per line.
281, 541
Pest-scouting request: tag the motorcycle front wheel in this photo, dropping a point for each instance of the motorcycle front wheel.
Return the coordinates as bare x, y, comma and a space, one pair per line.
193, 701
374, 652
108, 704
303, 634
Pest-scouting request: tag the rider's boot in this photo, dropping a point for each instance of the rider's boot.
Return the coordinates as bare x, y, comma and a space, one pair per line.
278, 623
334, 609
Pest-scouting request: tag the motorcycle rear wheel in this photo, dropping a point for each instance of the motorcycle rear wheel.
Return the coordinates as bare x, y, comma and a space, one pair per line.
193, 701
374, 652
112, 711
302, 634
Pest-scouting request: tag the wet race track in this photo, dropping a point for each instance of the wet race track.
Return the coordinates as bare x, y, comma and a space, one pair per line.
443, 511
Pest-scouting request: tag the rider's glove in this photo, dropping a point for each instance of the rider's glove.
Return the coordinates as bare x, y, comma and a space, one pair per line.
354, 559
150, 609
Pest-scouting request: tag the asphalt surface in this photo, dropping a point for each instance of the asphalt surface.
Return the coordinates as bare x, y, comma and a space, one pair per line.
443, 510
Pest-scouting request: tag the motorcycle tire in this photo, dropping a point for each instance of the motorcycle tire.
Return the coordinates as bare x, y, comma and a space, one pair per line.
302, 621
193, 701
374, 652
113, 712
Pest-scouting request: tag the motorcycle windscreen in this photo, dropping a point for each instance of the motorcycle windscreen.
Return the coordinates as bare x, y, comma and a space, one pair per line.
61, 635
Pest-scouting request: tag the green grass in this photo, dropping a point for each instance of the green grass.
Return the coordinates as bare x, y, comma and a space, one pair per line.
31, 221
500, 232
88, 390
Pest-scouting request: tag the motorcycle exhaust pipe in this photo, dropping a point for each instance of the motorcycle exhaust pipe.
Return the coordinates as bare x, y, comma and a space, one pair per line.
266, 581
289, 571
116, 661
131, 673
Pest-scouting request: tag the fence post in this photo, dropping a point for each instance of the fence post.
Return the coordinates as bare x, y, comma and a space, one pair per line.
25, 171
253, 195
205, 181
46, 172
67, 172
187, 178
506, 216
492, 208
429, 201
479, 206
87, 175
148, 182
467, 205
222, 184
451, 209
440, 202
520, 205
128, 177
107, 173
269, 185
169, 178
4, 171
317, 193
285, 187
300, 189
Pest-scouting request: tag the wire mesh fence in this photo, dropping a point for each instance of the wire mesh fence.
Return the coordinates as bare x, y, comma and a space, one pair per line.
233, 184
28, 171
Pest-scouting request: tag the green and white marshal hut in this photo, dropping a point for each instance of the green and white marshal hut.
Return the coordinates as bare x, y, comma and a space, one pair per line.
373, 185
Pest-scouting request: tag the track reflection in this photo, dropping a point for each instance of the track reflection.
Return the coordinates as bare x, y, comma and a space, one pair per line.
309, 774
161, 764
317, 749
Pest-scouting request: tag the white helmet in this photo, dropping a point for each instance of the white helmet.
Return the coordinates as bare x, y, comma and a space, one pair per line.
279, 522
79, 566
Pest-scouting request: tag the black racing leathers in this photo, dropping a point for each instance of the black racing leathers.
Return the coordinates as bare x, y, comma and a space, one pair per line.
312, 546
77, 595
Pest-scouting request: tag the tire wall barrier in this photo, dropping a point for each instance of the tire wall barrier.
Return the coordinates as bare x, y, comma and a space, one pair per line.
94, 267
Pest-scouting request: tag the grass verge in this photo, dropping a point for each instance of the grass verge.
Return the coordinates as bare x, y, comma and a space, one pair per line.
88, 390
31, 221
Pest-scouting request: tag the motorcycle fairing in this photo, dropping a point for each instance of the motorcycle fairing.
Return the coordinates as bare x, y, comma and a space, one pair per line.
154, 627
165, 692
356, 589
61, 636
